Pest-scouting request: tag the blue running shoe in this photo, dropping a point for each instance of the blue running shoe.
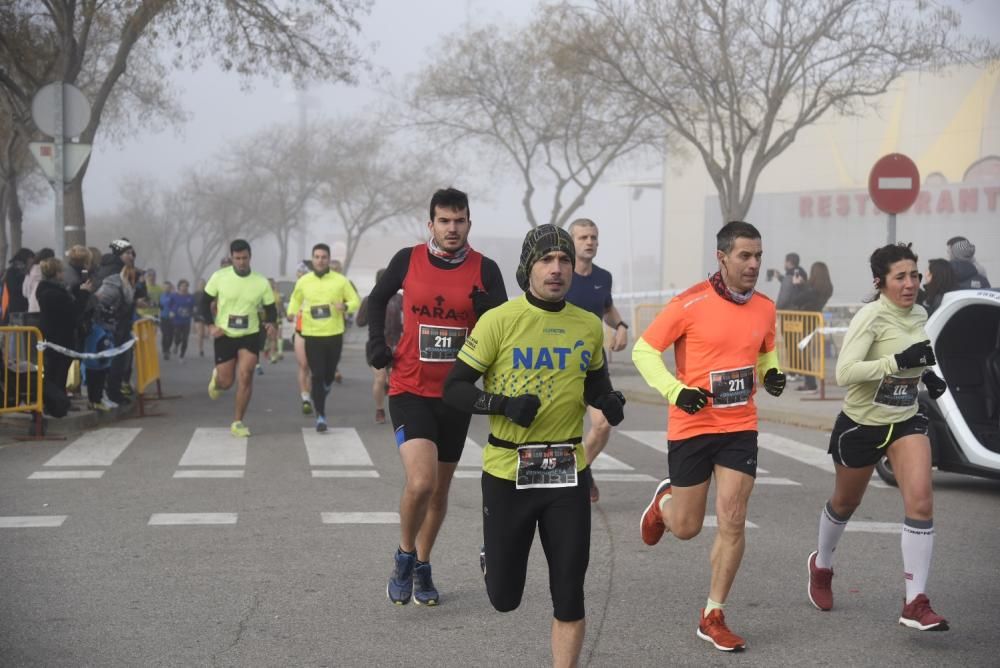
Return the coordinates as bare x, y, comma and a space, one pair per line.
400, 585
424, 592
320, 423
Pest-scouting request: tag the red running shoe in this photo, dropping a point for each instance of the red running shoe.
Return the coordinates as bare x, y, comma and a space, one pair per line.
917, 614
820, 591
651, 526
713, 629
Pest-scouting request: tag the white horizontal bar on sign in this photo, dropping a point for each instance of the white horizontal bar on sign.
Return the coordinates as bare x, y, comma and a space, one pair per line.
215, 446
713, 521
895, 183
875, 527
360, 518
209, 473
176, 519
32, 521
623, 477
341, 473
338, 446
97, 448
65, 475
472, 454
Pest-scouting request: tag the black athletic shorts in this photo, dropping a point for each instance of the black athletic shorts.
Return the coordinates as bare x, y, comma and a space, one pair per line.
859, 445
562, 515
428, 417
692, 460
227, 347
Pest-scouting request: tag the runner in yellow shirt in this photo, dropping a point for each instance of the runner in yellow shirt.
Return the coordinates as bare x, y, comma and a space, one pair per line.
325, 297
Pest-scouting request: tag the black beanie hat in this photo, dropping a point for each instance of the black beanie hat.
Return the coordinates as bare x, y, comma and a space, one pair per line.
537, 243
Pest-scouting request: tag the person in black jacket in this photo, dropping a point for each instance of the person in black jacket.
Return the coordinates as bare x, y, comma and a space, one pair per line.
14, 300
940, 279
811, 295
60, 313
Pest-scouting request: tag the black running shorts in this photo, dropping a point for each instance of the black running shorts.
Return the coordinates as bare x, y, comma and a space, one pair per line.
430, 418
692, 460
562, 516
227, 347
859, 445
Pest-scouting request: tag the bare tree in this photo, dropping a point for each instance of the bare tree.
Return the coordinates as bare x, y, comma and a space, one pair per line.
60, 40
368, 181
522, 97
280, 164
738, 79
152, 214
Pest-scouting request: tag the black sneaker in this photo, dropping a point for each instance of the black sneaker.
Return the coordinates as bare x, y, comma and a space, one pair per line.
424, 591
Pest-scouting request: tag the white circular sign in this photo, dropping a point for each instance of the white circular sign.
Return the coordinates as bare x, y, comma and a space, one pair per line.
76, 110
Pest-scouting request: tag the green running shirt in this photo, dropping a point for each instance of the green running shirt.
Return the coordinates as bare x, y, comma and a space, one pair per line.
522, 349
876, 333
239, 298
316, 296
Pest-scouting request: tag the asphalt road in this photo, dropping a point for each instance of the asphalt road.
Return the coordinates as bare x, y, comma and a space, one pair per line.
281, 574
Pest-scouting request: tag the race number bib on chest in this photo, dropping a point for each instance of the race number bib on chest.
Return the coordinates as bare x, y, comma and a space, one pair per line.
896, 392
239, 322
320, 311
732, 387
546, 466
441, 344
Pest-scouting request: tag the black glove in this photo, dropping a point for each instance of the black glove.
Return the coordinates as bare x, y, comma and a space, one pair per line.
482, 301
379, 355
774, 382
692, 399
935, 384
522, 410
919, 354
612, 405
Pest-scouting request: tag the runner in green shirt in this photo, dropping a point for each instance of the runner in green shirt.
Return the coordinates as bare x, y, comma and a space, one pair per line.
239, 293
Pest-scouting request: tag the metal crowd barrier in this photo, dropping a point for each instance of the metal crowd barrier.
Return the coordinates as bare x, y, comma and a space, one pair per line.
802, 345
23, 373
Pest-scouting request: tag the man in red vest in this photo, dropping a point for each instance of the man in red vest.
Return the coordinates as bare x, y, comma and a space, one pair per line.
446, 287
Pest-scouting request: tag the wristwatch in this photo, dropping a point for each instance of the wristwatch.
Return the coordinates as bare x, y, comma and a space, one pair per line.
621, 323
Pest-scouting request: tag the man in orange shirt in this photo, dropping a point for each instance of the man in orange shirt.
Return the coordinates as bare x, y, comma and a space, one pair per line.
723, 335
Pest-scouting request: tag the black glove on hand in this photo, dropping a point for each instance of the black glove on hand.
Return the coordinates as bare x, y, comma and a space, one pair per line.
379, 355
692, 399
612, 405
522, 410
919, 354
935, 384
481, 301
774, 382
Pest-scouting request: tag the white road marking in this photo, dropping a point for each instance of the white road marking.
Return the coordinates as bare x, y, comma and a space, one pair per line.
176, 519
875, 527
469, 473
65, 475
209, 473
341, 473
32, 521
776, 481
360, 518
472, 455
623, 477
339, 446
658, 441
215, 446
96, 448
713, 521
807, 454
606, 462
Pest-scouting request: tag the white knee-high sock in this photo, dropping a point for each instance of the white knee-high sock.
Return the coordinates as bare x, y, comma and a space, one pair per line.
831, 528
917, 544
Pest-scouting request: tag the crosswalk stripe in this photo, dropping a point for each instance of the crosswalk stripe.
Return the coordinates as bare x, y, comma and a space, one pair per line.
605, 462
344, 473
469, 473
800, 452
623, 477
875, 527
32, 521
215, 446
65, 475
360, 518
97, 448
472, 454
209, 473
177, 519
713, 521
658, 441
339, 446
776, 481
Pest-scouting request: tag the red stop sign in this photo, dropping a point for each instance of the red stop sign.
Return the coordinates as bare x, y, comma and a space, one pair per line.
894, 183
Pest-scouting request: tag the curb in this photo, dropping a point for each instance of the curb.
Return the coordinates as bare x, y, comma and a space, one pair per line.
17, 425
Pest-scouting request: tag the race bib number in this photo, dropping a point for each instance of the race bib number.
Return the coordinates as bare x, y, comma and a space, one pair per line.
239, 322
441, 344
320, 311
731, 388
546, 466
896, 392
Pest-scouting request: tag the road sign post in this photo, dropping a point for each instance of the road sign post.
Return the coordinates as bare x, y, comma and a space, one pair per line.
893, 184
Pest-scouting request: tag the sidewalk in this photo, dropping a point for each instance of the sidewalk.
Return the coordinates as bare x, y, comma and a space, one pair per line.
15, 426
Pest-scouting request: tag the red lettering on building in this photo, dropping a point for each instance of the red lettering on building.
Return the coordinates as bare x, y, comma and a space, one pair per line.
805, 206
991, 197
968, 200
862, 201
823, 206
843, 205
923, 204
945, 204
